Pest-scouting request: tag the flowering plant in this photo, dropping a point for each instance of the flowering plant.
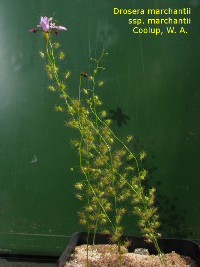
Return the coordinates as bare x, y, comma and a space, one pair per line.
110, 170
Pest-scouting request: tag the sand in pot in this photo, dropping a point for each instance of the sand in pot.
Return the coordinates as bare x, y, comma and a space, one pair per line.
107, 256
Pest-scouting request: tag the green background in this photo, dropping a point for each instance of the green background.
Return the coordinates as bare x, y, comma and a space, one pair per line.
153, 80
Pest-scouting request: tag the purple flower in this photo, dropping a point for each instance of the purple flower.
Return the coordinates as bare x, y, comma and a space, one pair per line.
44, 23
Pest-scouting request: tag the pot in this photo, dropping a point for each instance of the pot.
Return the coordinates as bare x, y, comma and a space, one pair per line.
167, 245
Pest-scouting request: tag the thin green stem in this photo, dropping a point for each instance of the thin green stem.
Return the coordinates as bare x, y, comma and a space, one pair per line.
119, 140
88, 233
79, 97
119, 251
97, 127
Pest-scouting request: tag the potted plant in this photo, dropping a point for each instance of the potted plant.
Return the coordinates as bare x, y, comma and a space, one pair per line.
110, 171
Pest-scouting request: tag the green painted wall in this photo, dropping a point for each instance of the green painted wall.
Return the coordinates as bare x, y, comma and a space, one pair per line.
154, 81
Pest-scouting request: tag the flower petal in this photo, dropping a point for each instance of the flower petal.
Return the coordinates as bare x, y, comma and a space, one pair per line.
53, 26
33, 30
62, 28
44, 23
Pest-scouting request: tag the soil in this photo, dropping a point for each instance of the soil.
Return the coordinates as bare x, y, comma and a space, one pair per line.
107, 256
